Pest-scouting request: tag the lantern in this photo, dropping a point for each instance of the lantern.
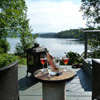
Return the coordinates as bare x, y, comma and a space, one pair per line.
33, 58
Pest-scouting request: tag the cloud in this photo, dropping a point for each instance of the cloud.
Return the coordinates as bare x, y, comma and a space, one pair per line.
47, 16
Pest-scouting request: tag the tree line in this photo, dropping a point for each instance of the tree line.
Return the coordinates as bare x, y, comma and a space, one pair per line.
72, 33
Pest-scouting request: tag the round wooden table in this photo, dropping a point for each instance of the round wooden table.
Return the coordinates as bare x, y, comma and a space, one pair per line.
53, 87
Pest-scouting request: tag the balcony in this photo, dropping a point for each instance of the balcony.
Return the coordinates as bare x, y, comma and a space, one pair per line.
80, 88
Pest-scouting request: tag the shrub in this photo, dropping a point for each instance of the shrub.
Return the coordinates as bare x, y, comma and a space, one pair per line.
6, 59
22, 61
4, 46
74, 58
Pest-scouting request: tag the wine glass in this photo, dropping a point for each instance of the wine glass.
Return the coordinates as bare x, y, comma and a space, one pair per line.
43, 60
65, 60
57, 62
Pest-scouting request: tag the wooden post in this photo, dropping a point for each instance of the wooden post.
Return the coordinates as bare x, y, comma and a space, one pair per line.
86, 39
86, 43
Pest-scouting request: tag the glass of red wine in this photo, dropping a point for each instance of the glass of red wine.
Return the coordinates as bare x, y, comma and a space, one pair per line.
43, 60
65, 60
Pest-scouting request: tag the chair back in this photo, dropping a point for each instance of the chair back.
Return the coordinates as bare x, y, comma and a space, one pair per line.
9, 82
96, 80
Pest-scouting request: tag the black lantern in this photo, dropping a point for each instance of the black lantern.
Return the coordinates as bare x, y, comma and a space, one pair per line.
33, 58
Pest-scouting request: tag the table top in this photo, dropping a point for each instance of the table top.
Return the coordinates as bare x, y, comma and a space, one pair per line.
64, 76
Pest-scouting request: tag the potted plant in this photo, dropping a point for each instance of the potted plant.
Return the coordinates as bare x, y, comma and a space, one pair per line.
8, 77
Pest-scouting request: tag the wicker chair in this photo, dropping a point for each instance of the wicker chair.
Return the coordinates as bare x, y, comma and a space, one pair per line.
9, 82
96, 80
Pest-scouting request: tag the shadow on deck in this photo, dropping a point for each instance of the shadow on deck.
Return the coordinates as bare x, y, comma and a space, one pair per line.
77, 89
85, 80
26, 82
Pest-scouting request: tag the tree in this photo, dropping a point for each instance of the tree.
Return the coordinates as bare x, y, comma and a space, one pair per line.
4, 46
14, 22
91, 12
8, 13
94, 45
26, 38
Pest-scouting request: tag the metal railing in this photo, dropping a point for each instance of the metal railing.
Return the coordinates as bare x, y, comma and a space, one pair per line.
86, 39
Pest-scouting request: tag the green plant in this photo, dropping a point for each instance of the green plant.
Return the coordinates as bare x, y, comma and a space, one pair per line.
14, 23
91, 12
22, 61
74, 58
6, 59
4, 46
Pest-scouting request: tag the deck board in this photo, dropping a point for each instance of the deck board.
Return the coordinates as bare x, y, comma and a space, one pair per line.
77, 89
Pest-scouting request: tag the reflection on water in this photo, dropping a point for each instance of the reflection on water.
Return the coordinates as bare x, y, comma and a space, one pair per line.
13, 42
56, 46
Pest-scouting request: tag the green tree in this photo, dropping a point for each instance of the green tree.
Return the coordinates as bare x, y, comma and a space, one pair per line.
14, 22
4, 46
72, 33
8, 16
26, 38
91, 12
94, 45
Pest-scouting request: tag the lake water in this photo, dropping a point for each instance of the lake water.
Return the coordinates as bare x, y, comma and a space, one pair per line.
56, 46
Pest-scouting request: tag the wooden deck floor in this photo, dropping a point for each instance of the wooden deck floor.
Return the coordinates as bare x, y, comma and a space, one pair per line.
77, 89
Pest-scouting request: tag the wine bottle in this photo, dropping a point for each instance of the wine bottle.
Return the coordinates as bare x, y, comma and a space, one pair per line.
50, 59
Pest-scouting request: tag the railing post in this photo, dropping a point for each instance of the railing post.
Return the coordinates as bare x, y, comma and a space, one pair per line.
86, 39
86, 43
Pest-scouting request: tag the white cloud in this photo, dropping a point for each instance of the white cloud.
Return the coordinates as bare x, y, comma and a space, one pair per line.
46, 16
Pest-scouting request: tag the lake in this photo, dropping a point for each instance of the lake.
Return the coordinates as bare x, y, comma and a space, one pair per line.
56, 46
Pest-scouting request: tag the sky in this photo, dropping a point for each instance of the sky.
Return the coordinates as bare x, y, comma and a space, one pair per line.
54, 15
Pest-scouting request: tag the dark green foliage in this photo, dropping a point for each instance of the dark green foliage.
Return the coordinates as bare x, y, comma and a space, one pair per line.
6, 59
10, 13
26, 38
74, 58
10, 16
91, 12
22, 60
72, 33
4, 46
67, 34
94, 45
19, 50
94, 54
48, 35
14, 22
